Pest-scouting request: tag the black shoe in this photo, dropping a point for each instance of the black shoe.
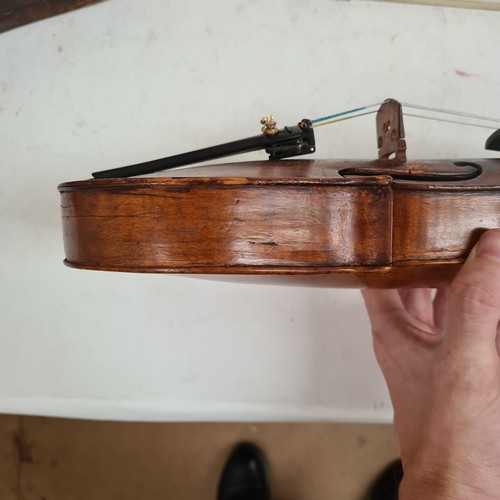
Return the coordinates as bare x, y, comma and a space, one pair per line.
245, 475
386, 485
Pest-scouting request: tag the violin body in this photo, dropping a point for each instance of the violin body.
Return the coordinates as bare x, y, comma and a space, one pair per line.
381, 223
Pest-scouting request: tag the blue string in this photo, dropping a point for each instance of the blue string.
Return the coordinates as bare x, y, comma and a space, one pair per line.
317, 120
434, 110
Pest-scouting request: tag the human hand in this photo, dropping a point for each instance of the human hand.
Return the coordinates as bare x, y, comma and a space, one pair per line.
440, 359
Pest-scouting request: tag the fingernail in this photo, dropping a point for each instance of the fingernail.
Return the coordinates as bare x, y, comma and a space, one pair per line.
489, 245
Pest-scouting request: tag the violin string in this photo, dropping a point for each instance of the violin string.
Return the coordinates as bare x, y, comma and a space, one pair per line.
450, 121
448, 112
343, 118
337, 117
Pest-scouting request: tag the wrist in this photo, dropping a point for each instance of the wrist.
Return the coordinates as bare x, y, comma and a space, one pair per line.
445, 483
418, 486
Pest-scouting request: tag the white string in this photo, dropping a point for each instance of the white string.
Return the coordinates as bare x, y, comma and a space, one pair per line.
450, 121
344, 115
448, 112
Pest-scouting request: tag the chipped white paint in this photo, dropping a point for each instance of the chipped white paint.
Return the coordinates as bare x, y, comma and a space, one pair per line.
128, 81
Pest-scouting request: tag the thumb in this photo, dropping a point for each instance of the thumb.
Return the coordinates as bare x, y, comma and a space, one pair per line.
474, 300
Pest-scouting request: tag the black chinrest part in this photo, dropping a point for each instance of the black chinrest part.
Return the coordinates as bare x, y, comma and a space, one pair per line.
493, 141
287, 142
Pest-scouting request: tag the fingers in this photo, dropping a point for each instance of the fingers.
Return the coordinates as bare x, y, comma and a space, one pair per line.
382, 303
440, 304
418, 303
474, 298
498, 340
408, 312
386, 312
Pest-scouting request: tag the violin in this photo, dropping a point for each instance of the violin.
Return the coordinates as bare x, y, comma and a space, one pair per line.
383, 223
16, 13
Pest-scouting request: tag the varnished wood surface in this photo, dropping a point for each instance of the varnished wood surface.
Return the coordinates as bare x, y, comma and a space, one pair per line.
15, 13
298, 222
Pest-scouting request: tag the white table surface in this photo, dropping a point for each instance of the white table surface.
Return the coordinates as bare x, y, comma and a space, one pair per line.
127, 81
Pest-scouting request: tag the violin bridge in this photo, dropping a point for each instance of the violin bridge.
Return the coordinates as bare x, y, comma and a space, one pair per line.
390, 131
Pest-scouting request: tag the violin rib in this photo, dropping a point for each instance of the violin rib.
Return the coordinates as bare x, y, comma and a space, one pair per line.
320, 223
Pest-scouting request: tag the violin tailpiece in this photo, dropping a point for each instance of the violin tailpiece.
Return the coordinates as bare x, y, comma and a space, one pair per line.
390, 131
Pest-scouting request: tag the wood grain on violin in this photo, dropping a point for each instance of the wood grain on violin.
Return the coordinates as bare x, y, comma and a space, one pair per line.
15, 13
382, 223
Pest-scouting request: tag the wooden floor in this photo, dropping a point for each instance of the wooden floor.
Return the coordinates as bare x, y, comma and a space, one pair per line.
59, 459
